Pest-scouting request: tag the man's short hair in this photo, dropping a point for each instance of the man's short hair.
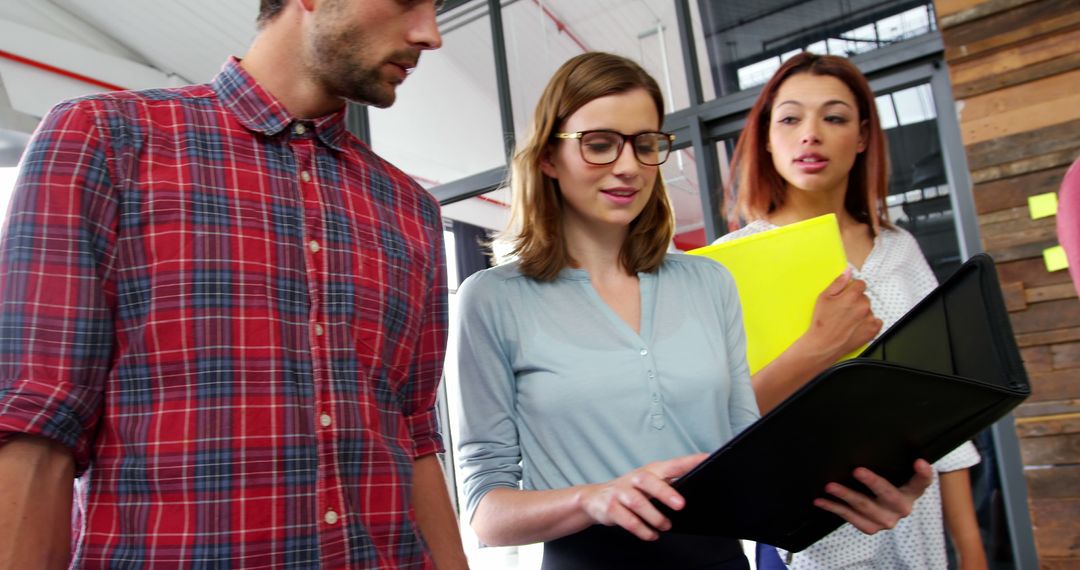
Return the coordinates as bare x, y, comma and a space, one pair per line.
268, 9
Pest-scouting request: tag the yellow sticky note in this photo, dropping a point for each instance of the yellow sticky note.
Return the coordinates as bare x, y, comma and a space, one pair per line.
1042, 205
1055, 258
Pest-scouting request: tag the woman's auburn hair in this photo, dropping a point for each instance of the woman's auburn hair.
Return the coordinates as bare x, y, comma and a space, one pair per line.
761, 189
536, 231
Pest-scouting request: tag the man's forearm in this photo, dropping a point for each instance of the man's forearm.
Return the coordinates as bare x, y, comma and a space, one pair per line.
36, 477
435, 515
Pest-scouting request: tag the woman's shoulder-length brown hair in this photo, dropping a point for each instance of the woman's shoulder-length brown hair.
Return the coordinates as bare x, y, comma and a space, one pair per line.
536, 229
761, 189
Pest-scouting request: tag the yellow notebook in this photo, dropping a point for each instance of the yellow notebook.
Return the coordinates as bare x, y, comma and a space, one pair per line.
779, 274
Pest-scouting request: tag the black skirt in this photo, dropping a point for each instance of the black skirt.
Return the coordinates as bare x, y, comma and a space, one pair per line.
602, 547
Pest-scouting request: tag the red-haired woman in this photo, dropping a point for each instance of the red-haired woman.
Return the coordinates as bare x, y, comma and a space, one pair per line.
813, 145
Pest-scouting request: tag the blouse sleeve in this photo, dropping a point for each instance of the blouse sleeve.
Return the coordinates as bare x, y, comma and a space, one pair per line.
923, 278
742, 406
488, 453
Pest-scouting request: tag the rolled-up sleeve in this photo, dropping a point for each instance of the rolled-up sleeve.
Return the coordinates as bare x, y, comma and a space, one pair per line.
488, 450
426, 370
56, 289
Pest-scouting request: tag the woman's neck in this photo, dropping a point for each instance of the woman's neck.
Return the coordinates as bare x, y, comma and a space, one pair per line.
596, 249
802, 205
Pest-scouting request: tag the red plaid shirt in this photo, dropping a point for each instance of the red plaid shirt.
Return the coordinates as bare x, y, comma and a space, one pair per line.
234, 319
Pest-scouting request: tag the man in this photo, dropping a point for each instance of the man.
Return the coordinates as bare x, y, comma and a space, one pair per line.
227, 316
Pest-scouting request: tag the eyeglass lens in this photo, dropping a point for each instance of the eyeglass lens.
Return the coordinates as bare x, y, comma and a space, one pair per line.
603, 147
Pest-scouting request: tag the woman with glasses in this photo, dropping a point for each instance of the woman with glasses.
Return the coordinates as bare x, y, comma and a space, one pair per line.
813, 145
596, 368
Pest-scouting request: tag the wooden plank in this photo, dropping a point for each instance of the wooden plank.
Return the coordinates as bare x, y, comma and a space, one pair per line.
1025, 166
1006, 215
1047, 316
960, 36
980, 11
1035, 409
1051, 450
1018, 224
1061, 482
1056, 336
1023, 145
1048, 563
1014, 296
1065, 355
1025, 251
1013, 192
1036, 112
1054, 385
1032, 272
1014, 57
956, 52
1054, 522
1019, 97
1025, 74
1037, 359
1050, 293
948, 7
1067, 424
998, 237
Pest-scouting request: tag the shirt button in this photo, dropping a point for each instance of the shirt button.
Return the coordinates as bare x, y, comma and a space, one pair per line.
656, 397
325, 420
305, 176
651, 375
299, 129
319, 330
314, 246
644, 352
330, 517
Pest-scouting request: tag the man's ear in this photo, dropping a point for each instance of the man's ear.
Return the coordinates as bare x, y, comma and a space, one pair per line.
307, 5
546, 164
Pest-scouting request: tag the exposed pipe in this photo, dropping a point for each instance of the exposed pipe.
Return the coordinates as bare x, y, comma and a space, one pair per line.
60, 71
561, 26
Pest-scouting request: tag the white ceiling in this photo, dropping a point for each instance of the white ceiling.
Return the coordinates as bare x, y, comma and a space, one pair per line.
188, 38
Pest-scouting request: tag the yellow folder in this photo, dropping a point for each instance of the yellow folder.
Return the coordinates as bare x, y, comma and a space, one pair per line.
779, 274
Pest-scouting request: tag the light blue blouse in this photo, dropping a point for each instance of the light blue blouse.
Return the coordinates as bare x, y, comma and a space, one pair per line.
557, 390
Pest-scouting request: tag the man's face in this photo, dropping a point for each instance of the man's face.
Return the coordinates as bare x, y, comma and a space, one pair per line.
361, 50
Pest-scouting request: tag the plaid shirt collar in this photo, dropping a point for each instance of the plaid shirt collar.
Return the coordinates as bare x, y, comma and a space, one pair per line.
261, 112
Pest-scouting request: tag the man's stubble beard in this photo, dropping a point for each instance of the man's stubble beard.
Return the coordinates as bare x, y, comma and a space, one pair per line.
338, 66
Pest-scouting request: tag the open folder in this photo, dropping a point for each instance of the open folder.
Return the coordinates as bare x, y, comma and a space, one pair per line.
945, 371
779, 274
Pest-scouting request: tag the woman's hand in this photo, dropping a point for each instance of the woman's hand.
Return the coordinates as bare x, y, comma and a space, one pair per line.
626, 501
888, 505
842, 320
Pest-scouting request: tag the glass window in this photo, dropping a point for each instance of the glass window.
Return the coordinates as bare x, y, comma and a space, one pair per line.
918, 185
7, 186
540, 36
914, 105
681, 178
742, 36
886, 111
445, 124
708, 86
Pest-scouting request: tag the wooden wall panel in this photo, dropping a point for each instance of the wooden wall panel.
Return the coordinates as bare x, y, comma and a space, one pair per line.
1015, 67
1000, 194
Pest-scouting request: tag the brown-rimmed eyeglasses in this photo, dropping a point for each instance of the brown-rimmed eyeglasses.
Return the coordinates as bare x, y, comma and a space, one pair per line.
602, 147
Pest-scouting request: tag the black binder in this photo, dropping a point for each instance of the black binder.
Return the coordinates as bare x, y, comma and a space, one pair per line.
945, 371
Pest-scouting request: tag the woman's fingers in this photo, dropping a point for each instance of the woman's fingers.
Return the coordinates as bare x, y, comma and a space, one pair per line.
627, 501
887, 505
917, 485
